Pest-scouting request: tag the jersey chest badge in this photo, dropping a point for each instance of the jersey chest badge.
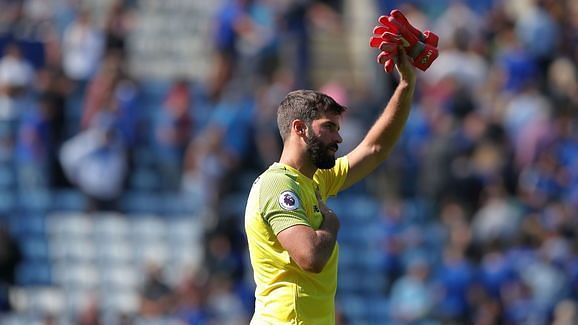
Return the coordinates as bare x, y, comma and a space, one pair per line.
289, 201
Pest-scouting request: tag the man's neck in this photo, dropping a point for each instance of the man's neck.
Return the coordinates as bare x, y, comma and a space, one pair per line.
299, 162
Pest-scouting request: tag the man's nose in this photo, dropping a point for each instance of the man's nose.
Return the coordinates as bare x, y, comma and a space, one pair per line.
339, 138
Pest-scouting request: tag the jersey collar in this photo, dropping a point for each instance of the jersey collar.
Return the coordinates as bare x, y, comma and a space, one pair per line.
291, 169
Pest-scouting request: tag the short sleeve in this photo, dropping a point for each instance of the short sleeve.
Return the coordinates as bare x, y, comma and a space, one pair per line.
331, 180
280, 203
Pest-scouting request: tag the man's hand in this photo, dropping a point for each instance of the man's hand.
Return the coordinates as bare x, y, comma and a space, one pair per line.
423, 54
395, 31
387, 41
405, 68
330, 220
427, 37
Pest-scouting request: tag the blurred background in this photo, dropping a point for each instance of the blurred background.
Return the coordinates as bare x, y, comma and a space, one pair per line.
131, 132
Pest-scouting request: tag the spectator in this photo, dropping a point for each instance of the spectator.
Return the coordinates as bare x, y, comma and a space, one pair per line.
96, 161
117, 26
191, 300
35, 146
82, 47
53, 88
453, 279
225, 306
565, 313
157, 298
172, 131
10, 258
206, 163
101, 88
411, 296
16, 76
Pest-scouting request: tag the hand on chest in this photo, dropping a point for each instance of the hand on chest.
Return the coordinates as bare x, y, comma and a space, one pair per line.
312, 210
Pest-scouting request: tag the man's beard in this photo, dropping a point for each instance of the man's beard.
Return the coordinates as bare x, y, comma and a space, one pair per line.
319, 152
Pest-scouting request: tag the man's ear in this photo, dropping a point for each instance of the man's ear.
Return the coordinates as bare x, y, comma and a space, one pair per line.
299, 127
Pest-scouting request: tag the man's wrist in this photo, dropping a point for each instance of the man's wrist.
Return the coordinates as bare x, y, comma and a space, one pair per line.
405, 83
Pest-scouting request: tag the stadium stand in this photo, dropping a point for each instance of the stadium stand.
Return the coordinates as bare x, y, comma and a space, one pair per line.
472, 219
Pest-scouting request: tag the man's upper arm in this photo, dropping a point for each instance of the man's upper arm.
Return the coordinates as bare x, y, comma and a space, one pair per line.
285, 214
282, 208
297, 240
280, 203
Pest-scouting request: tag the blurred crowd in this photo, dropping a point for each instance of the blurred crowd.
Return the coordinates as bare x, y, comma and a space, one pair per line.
490, 150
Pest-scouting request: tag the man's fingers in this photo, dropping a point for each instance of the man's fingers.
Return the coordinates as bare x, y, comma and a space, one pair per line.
378, 30
390, 37
385, 43
387, 37
386, 22
388, 47
394, 32
400, 18
389, 65
384, 56
375, 41
397, 14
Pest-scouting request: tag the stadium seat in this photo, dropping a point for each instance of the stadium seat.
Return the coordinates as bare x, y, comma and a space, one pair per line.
151, 250
69, 200
189, 257
69, 223
347, 256
360, 208
125, 301
144, 180
149, 227
34, 273
34, 248
77, 275
110, 226
74, 249
144, 157
76, 299
7, 176
185, 229
41, 300
355, 307
19, 319
378, 309
28, 224
119, 276
118, 250
138, 202
36, 201
7, 202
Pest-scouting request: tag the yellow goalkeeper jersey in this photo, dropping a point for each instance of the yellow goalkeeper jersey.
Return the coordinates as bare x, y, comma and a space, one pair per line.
280, 198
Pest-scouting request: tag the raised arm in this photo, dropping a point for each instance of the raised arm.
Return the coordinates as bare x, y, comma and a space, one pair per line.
382, 136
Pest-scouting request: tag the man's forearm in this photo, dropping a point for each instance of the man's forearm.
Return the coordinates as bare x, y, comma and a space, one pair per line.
388, 127
326, 239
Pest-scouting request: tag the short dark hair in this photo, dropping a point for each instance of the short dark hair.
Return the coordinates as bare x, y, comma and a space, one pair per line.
306, 105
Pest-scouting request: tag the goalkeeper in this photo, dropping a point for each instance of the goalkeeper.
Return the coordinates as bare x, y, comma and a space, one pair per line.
291, 233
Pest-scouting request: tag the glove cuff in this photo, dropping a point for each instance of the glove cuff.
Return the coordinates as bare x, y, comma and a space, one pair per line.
423, 59
430, 38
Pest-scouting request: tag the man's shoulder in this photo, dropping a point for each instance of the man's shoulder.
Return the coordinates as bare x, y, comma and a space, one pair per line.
277, 175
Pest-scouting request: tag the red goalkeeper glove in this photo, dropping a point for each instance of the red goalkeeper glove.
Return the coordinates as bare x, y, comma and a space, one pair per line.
422, 54
387, 40
427, 37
